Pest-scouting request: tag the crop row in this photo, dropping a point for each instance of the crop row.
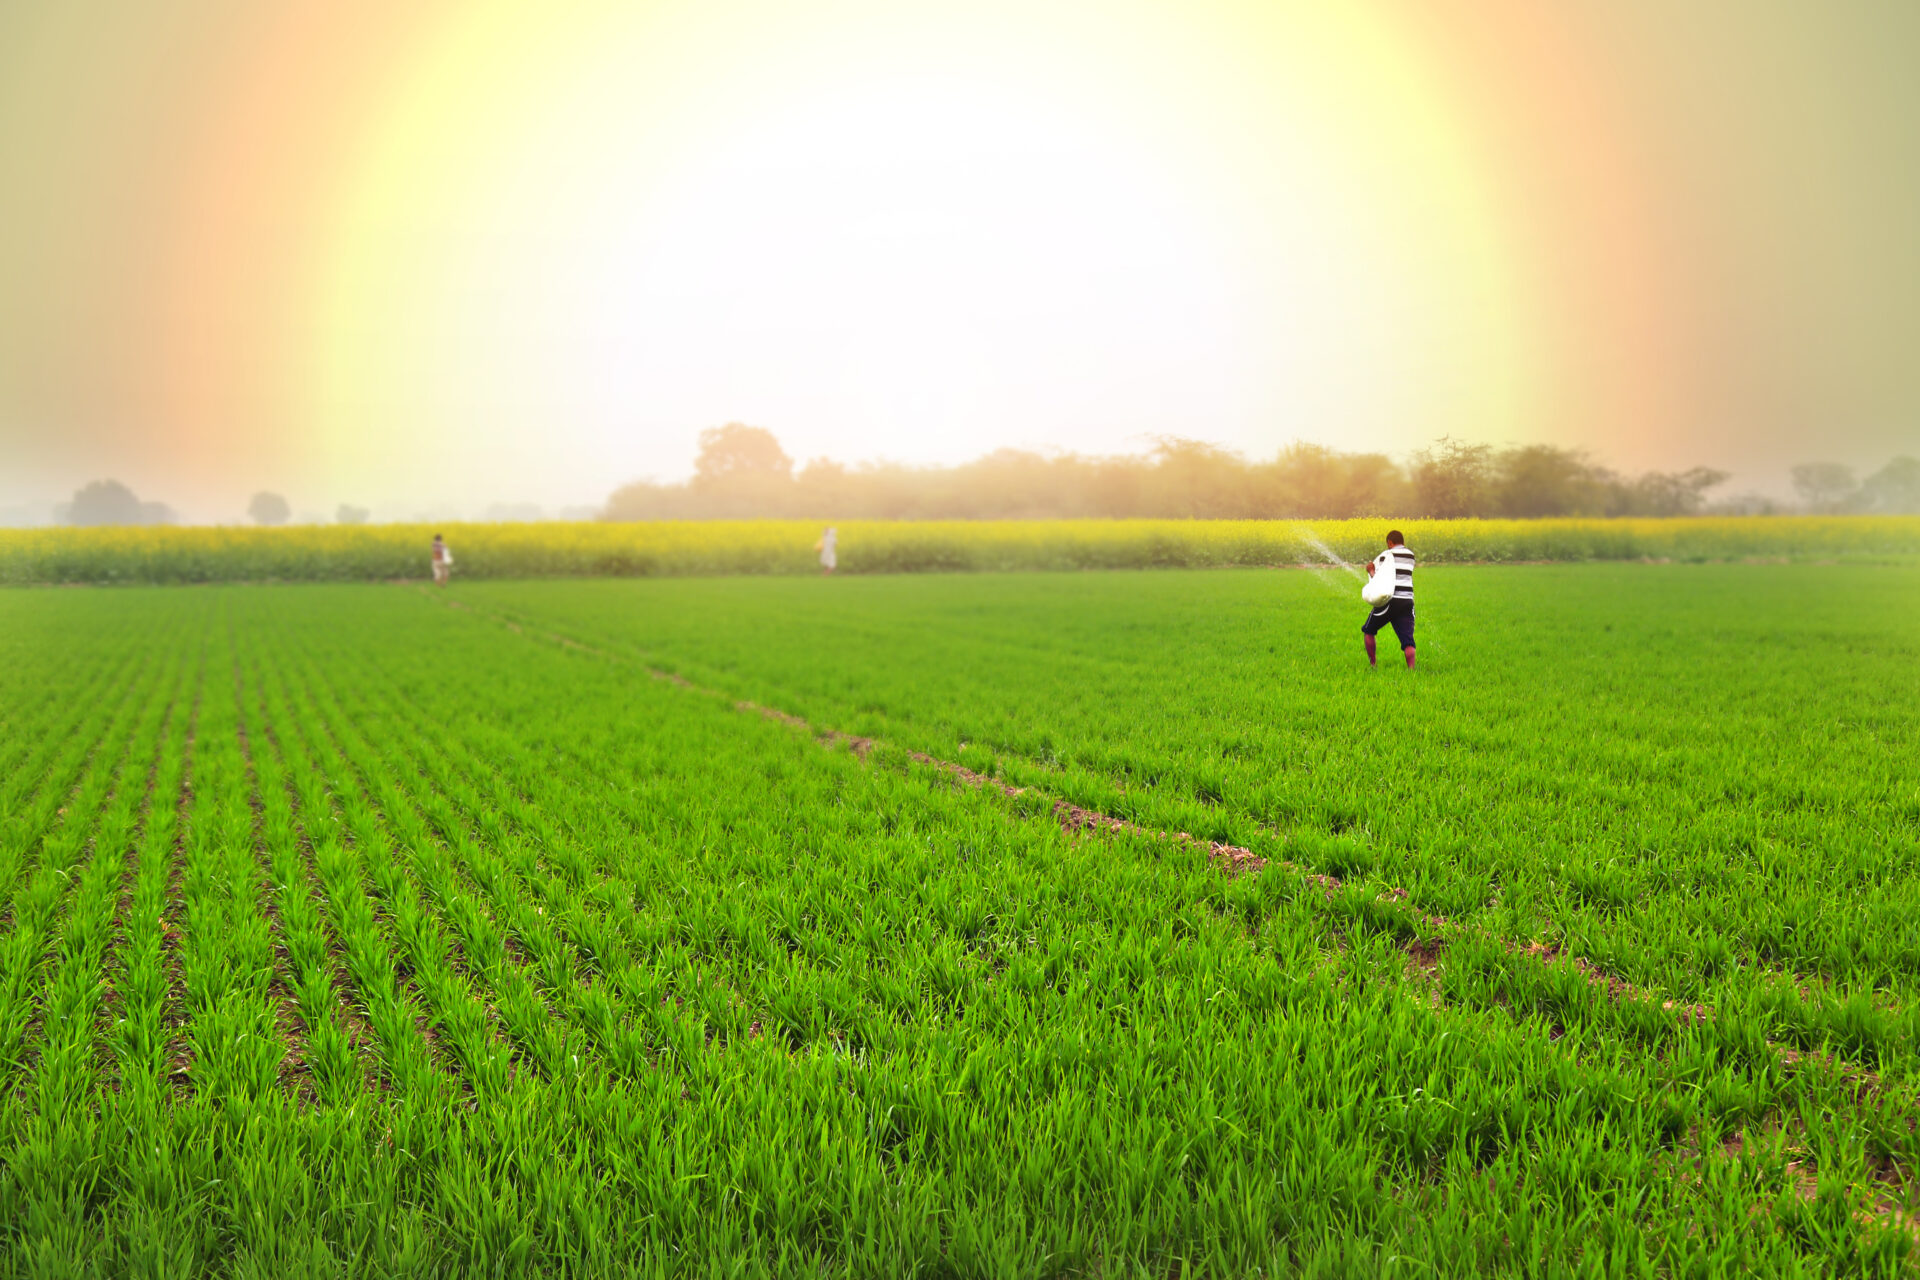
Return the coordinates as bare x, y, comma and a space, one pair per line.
390, 936
682, 548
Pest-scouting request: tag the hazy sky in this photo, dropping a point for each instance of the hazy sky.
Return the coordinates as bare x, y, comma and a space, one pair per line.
439, 255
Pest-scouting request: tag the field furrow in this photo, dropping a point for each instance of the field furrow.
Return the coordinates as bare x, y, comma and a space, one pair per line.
457, 875
381, 994
159, 1038
498, 844
74, 980
271, 832
317, 1009
43, 718
89, 828
406, 871
57, 801
133, 1002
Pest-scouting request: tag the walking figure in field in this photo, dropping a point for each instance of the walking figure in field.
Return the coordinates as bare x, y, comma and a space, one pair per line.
1394, 608
828, 559
442, 560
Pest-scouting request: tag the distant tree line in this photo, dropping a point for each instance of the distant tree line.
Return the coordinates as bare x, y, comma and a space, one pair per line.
743, 472
1829, 488
110, 502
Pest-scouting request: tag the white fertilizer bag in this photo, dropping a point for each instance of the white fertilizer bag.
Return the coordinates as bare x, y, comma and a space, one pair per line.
1378, 589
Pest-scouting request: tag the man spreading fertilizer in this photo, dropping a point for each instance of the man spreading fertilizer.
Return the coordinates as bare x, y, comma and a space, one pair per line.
1390, 591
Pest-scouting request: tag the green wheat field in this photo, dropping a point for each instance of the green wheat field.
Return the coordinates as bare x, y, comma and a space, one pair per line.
1108, 924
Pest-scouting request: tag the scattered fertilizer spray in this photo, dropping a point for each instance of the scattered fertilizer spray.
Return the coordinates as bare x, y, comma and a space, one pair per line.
1313, 540
1333, 560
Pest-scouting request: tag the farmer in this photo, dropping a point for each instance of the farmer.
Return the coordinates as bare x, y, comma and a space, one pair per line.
825, 547
1397, 609
443, 560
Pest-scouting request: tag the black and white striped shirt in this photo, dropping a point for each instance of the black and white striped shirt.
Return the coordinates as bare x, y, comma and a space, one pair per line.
1399, 562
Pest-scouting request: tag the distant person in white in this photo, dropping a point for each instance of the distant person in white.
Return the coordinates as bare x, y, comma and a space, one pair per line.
442, 560
1397, 610
828, 560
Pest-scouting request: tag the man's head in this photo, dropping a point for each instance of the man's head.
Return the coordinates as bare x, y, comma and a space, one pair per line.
1395, 540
